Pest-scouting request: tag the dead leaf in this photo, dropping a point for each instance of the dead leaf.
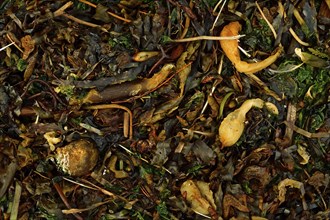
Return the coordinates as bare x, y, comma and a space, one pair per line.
182, 63
303, 153
259, 156
198, 198
311, 59
319, 180
30, 67
289, 183
230, 201
101, 14
204, 152
261, 174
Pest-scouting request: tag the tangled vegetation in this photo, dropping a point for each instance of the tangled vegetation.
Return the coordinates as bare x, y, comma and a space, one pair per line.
164, 109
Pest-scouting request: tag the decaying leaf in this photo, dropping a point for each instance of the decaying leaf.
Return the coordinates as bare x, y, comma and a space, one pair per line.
129, 89
7, 174
199, 196
232, 127
261, 174
52, 139
319, 180
230, 48
182, 64
230, 201
28, 45
152, 116
289, 183
144, 55
303, 153
112, 166
311, 59
30, 67
204, 152
25, 156
162, 152
101, 13
259, 156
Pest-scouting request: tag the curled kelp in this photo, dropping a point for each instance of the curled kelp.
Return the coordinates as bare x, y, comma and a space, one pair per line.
230, 48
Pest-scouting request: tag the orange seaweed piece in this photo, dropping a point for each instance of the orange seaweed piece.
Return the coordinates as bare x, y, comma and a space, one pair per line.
230, 48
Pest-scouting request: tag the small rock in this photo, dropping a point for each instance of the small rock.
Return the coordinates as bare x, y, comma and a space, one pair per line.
77, 158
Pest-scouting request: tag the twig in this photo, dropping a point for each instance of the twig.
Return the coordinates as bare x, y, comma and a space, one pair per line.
84, 22
187, 23
11, 40
186, 27
108, 106
294, 35
293, 68
2, 48
157, 87
268, 23
62, 9
215, 8
110, 13
65, 201
46, 84
93, 206
206, 38
17, 196
306, 133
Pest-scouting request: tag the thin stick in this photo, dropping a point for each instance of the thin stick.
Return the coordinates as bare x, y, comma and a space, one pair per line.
107, 106
126, 124
207, 38
2, 48
84, 22
93, 206
62, 9
217, 5
15, 206
110, 13
307, 133
65, 201
80, 184
11, 40
294, 35
187, 23
216, 19
268, 23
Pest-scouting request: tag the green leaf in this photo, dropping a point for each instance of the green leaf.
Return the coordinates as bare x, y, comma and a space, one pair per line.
21, 65
311, 59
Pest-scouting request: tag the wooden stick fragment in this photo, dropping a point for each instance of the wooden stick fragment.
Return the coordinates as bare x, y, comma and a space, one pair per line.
108, 106
84, 22
110, 13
